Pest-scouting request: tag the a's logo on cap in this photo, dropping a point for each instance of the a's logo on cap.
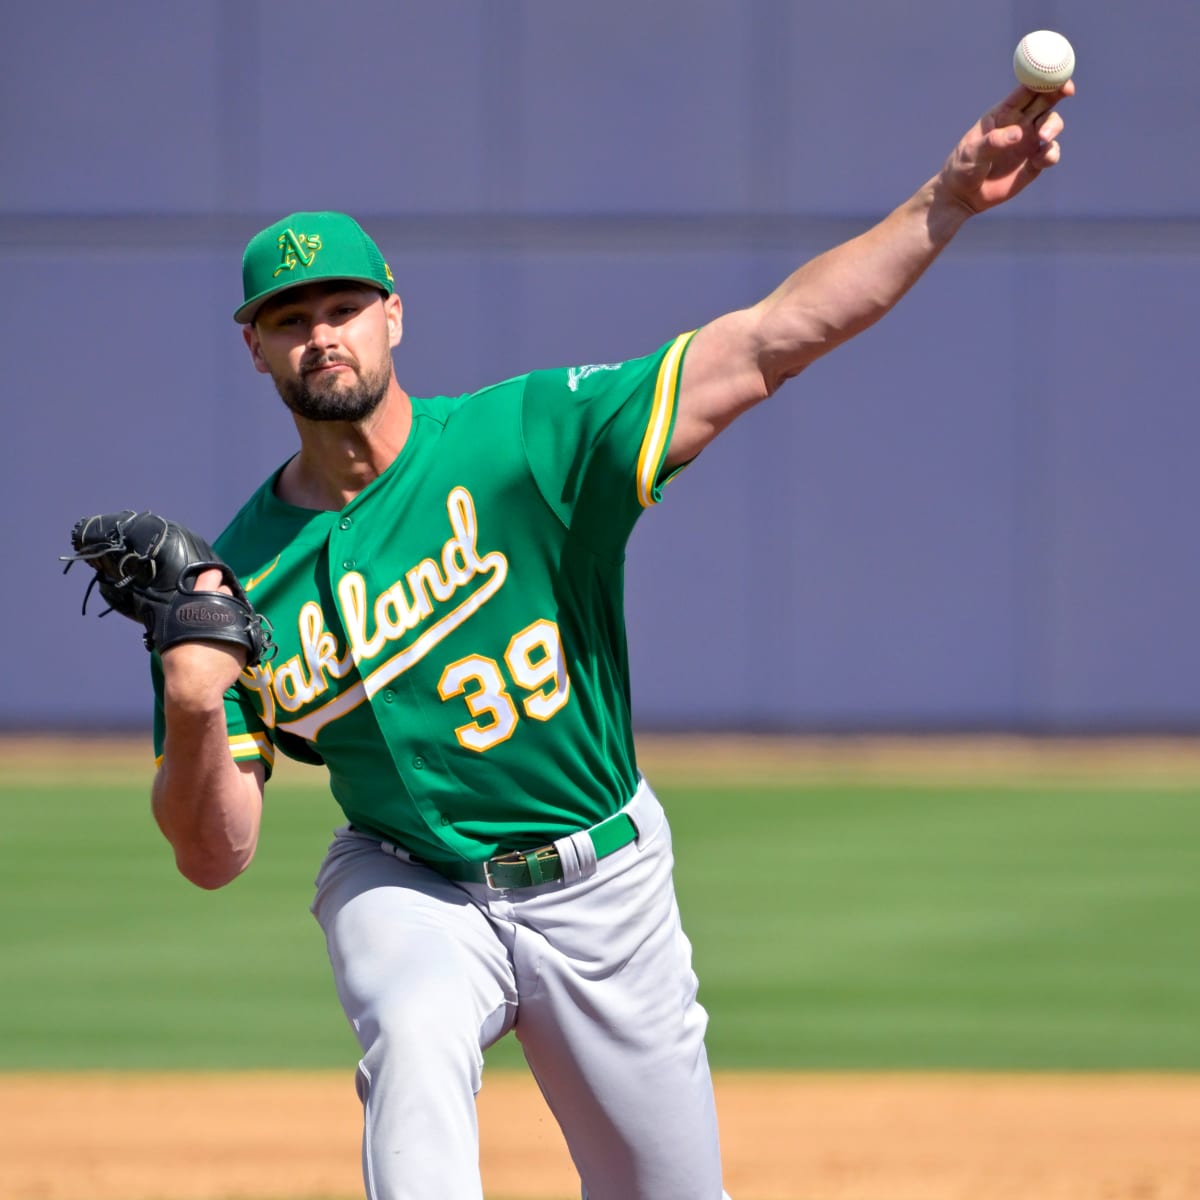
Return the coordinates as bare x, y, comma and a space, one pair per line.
297, 249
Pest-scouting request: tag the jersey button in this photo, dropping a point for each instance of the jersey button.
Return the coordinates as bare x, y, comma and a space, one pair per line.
349, 564
419, 763
445, 819
345, 522
389, 696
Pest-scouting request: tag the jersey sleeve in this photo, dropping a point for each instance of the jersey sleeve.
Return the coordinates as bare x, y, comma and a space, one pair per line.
596, 438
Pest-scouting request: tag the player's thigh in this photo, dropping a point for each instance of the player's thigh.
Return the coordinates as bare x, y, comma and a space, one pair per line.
409, 950
614, 1033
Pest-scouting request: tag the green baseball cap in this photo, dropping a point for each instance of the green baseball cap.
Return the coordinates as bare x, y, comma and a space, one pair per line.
304, 247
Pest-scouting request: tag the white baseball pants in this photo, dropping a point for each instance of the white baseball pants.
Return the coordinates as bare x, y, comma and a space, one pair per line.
593, 973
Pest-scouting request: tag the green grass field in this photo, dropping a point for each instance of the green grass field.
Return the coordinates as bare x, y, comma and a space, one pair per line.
1026, 926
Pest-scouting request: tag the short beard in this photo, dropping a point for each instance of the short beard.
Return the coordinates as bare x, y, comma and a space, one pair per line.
328, 400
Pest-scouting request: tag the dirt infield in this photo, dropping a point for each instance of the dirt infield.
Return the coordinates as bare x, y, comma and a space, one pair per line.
841, 1137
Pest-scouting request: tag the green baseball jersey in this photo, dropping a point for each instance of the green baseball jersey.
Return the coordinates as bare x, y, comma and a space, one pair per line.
451, 643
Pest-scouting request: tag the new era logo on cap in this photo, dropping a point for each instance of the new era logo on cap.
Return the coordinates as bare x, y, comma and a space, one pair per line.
305, 247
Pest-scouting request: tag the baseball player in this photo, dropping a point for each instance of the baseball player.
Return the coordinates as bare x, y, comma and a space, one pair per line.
443, 579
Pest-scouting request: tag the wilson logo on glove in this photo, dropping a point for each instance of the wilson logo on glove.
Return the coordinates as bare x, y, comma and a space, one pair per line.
197, 614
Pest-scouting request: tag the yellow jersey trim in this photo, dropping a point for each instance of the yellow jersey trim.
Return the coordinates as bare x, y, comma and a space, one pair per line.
657, 441
252, 745
243, 746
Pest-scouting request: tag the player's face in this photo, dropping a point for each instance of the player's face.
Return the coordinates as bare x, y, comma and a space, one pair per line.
328, 348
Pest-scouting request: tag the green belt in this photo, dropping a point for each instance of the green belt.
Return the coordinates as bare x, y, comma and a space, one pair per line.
528, 868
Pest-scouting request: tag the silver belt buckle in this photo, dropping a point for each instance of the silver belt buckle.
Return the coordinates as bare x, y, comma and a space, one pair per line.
487, 876
512, 858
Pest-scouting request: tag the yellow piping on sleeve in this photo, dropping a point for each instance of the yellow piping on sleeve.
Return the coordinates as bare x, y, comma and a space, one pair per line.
658, 429
252, 745
244, 746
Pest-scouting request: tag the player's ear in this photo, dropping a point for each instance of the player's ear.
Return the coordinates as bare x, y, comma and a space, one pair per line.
250, 334
394, 311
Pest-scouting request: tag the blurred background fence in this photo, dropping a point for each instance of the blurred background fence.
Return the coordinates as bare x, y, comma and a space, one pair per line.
979, 515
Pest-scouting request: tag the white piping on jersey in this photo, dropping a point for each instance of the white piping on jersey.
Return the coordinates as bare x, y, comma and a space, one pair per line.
655, 442
249, 745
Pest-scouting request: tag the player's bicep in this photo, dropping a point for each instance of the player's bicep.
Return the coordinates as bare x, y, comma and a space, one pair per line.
722, 377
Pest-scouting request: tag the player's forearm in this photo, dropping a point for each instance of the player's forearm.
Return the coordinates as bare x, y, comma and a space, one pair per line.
207, 806
740, 359
844, 291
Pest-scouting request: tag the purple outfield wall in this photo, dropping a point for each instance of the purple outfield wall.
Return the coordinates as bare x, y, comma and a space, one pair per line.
980, 514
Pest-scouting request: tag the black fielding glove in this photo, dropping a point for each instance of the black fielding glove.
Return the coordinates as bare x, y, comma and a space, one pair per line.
146, 569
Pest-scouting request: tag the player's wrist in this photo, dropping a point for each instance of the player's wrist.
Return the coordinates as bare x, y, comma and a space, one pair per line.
196, 676
945, 212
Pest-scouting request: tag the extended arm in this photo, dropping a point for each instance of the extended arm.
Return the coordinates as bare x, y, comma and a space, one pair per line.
743, 357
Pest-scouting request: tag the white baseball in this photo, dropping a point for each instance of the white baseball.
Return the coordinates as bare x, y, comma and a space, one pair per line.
1043, 61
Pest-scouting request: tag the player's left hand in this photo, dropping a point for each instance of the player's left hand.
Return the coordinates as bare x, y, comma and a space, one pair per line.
1006, 149
147, 568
